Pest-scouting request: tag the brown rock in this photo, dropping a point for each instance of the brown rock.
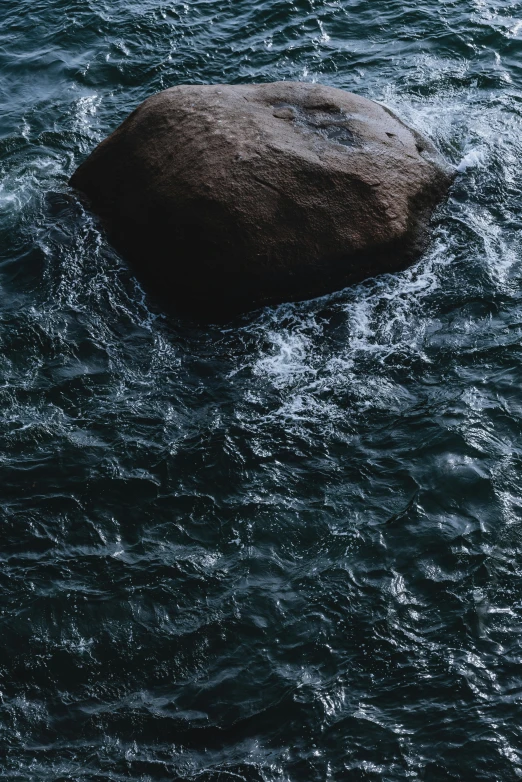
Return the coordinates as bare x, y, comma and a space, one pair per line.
226, 198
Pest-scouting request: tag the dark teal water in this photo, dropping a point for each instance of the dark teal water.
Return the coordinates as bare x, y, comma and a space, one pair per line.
290, 548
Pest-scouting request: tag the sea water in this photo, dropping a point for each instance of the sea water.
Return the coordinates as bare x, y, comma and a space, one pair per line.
288, 548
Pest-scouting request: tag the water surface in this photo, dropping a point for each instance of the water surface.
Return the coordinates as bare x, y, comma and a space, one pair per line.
289, 548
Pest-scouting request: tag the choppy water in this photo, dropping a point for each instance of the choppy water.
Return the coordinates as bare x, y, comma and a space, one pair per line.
291, 548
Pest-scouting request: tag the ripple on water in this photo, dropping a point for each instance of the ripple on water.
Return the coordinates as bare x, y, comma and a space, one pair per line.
288, 548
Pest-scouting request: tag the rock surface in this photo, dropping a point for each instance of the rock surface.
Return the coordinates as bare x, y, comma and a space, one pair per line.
226, 198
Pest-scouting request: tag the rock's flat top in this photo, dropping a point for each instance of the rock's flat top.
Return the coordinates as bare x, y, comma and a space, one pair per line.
225, 198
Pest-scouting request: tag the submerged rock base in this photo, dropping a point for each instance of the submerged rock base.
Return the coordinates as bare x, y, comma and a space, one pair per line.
226, 198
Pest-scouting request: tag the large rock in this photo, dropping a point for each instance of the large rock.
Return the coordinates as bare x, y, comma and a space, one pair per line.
225, 198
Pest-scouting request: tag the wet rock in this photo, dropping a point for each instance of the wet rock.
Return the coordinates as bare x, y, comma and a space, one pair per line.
226, 198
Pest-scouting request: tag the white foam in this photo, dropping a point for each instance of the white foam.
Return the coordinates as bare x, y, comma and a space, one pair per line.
288, 360
475, 158
18, 186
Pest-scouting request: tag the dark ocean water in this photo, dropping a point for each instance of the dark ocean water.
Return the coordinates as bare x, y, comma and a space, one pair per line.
289, 548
